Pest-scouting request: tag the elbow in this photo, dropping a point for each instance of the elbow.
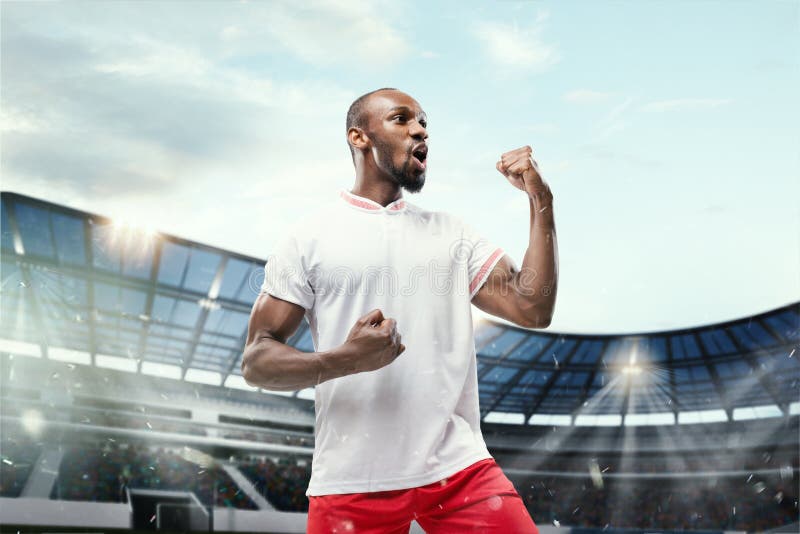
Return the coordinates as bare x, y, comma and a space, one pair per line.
535, 322
250, 371
535, 318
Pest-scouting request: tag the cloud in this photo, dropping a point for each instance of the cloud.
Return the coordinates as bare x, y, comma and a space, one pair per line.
585, 96
510, 45
136, 123
327, 32
681, 104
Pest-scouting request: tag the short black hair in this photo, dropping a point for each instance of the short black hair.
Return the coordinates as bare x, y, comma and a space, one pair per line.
356, 116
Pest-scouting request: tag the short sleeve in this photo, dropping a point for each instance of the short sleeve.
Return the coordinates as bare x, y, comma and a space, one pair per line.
286, 276
481, 257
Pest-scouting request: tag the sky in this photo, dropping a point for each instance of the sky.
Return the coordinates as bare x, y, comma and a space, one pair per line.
667, 131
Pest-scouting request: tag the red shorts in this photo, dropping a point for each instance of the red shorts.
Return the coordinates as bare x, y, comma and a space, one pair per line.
477, 499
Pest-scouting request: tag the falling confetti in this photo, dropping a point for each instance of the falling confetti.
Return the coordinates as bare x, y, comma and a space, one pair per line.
759, 487
556, 522
786, 472
779, 497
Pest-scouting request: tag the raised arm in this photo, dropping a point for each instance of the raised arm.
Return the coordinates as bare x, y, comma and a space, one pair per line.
526, 297
268, 362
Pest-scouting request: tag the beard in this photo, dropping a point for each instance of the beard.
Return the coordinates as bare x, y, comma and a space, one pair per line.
405, 175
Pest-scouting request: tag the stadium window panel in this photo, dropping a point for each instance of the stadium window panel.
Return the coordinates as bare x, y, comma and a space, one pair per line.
530, 348
133, 301
68, 232
561, 350
63, 354
307, 393
535, 377
217, 341
7, 239
587, 352
34, 228
186, 313
202, 376
526, 390
105, 253
505, 418
756, 412
735, 368
488, 387
251, 288
752, 335
702, 416
115, 362
236, 272
656, 349
550, 419
699, 373
138, 257
203, 267
172, 263
484, 332
500, 374
787, 324
236, 324
162, 370
794, 408
684, 347
650, 419
500, 345
162, 309
20, 348
716, 342
74, 291
238, 382
598, 420
106, 297
305, 343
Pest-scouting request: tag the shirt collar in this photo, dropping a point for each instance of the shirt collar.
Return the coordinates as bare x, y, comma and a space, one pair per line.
367, 204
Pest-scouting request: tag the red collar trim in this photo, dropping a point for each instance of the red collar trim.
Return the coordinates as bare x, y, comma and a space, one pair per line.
371, 205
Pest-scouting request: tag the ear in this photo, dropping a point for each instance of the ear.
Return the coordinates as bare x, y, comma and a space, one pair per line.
357, 138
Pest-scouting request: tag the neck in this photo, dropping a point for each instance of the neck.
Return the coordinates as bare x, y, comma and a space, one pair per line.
382, 191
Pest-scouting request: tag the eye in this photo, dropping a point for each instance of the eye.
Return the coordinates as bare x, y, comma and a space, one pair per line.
401, 117
424, 123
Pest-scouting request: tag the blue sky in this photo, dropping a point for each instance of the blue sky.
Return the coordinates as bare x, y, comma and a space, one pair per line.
666, 130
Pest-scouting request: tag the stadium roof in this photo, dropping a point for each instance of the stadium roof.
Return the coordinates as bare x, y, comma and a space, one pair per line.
79, 287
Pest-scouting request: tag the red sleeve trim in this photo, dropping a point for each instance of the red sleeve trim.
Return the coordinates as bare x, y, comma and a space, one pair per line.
484, 270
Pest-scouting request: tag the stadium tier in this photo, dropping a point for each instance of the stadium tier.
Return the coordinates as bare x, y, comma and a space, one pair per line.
120, 356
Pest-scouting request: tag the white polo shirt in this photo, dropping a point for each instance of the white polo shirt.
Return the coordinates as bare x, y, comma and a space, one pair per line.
415, 421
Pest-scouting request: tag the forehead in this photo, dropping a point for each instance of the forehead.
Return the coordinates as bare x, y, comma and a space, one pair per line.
385, 101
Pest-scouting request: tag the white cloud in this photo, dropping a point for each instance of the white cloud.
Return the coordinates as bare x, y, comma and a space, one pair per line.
511, 46
585, 96
680, 104
329, 31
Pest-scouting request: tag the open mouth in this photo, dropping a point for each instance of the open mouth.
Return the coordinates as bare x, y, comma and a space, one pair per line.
420, 154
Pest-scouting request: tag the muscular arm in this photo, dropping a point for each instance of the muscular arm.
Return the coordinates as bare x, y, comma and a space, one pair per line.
268, 362
271, 364
526, 297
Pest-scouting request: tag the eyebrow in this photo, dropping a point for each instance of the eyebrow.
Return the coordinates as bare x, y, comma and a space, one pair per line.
408, 109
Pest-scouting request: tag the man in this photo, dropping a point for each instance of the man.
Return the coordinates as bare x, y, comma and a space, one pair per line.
397, 420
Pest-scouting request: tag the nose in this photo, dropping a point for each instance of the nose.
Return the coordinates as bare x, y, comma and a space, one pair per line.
418, 131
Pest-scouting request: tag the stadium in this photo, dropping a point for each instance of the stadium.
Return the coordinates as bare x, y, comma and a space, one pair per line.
124, 408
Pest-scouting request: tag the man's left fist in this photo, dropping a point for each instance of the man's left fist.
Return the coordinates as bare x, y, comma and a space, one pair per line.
519, 167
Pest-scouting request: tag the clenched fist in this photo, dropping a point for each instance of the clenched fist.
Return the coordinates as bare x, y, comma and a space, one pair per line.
372, 343
521, 170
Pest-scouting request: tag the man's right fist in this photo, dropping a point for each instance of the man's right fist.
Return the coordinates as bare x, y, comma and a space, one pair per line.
372, 343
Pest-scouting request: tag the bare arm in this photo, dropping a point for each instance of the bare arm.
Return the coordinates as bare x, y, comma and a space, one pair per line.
526, 297
269, 363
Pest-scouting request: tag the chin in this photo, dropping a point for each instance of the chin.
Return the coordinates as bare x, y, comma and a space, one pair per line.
414, 185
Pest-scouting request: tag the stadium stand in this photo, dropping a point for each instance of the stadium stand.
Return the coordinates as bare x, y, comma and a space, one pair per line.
120, 360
